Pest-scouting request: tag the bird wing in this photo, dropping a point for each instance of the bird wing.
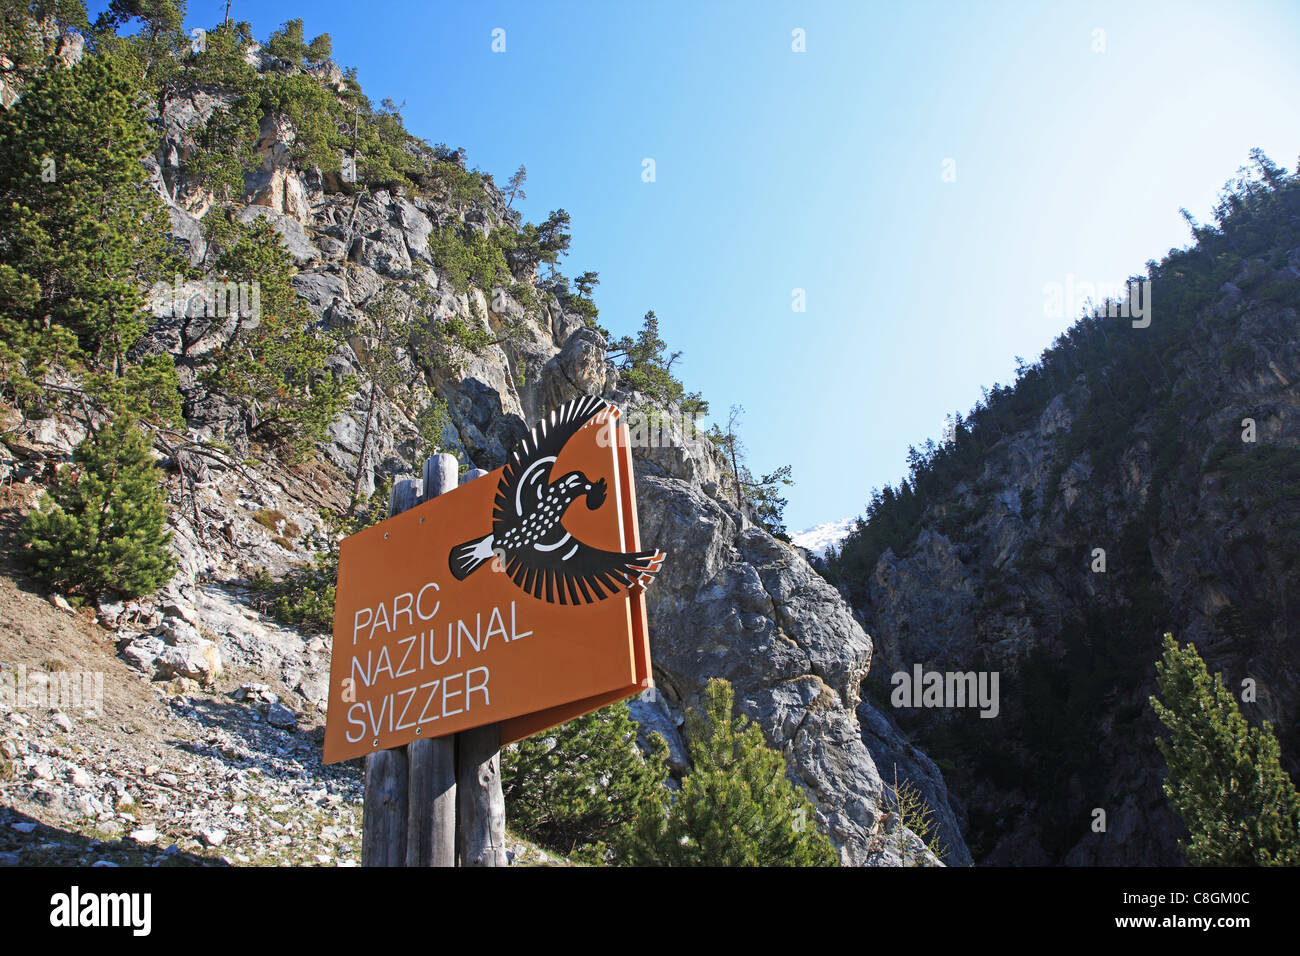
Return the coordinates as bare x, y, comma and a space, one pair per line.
566, 571
528, 471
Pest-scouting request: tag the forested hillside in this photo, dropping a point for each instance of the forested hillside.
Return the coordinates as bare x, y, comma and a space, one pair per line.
1132, 481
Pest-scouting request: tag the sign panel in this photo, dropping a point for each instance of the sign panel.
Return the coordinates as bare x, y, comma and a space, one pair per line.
517, 598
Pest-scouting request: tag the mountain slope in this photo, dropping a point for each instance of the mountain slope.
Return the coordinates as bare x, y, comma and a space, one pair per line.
1175, 450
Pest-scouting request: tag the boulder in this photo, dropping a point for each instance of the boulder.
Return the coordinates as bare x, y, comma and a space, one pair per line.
579, 369
734, 602
200, 661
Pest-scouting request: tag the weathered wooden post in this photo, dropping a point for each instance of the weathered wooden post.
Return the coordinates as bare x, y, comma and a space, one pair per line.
385, 806
431, 820
411, 793
482, 806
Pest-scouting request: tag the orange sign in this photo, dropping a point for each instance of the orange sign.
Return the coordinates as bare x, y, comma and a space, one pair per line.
517, 598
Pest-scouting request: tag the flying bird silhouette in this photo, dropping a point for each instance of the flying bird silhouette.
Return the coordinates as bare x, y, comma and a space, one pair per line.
528, 533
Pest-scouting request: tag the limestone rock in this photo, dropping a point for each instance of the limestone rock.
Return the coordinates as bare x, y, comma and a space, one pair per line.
290, 229
579, 369
733, 602
199, 660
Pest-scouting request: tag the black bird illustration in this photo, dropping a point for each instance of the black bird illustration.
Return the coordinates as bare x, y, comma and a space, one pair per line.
528, 534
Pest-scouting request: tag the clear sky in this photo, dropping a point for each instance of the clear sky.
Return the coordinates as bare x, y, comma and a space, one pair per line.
823, 170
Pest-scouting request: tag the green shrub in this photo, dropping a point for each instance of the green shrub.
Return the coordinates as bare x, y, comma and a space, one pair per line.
1225, 779
917, 815
736, 807
472, 260
580, 788
102, 526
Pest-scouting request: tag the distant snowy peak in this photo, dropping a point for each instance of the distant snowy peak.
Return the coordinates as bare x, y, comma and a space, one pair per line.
821, 537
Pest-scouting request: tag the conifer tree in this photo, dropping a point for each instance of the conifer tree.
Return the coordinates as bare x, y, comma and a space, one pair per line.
1225, 779
229, 136
28, 347
103, 525
580, 787
77, 215
736, 807
379, 349
643, 365
515, 187
157, 47
762, 492
276, 359
289, 43
24, 45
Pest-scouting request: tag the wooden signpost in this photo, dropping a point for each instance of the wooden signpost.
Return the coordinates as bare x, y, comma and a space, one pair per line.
479, 615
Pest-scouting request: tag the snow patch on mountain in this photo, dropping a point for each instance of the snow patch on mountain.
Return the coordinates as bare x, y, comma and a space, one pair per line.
820, 537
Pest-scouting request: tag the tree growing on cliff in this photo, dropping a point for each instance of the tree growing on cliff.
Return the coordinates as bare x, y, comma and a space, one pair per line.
288, 43
762, 491
156, 48
26, 47
515, 187
1225, 779
103, 525
736, 807
79, 224
276, 359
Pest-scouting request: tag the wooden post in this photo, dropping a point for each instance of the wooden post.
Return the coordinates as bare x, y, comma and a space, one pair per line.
431, 821
422, 799
385, 804
481, 804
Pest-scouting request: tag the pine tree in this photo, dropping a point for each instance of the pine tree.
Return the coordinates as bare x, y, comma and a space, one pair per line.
643, 365
762, 492
379, 349
155, 50
515, 188
103, 526
77, 215
276, 359
28, 347
580, 787
1225, 779
229, 136
736, 807
289, 43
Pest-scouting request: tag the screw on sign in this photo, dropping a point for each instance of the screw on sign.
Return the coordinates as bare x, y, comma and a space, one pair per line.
488, 612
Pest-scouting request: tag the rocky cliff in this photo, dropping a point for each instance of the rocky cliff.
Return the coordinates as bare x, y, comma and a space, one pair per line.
1138, 480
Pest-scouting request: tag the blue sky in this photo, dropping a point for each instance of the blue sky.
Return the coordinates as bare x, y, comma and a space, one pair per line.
823, 171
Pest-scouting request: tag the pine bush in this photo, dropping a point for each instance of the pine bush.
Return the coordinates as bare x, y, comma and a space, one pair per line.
103, 524
1225, 779
736, 807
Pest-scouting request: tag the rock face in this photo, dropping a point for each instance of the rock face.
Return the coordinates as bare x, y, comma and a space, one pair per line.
47, 45
734, 602
1192, 520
